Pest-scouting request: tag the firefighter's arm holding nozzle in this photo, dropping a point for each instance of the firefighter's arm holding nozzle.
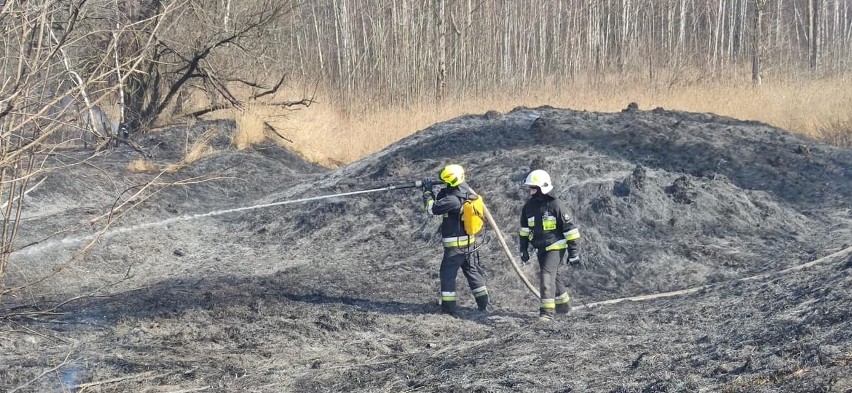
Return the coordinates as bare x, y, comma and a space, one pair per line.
438, 202
428, 186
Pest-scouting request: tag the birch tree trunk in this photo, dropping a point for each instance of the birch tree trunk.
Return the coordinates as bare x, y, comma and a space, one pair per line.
624, 45
717, 34
813, 39
756, 43
344, 52
227, 17
319, 38
94, 122
506, 63
779, 5
681, 31
442, 51
822, 28
836, 33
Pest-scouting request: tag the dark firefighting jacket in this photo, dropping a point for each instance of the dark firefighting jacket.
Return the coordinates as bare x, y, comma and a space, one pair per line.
547, 225
448, 203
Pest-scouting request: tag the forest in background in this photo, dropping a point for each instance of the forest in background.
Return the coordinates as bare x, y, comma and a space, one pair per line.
400, 51
384, 69
369, 54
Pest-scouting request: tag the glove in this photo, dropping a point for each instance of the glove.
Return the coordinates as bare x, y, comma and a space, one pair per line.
573, 259
427, 196
427, 185
525, 257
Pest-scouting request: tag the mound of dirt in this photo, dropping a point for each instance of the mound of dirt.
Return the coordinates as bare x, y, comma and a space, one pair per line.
239, 274
657, 208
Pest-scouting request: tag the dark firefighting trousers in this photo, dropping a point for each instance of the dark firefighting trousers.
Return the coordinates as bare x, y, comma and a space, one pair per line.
554, 295
455, 258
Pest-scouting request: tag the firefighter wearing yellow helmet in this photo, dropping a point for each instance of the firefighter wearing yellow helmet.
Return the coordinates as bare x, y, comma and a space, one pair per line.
459, 247
548, 227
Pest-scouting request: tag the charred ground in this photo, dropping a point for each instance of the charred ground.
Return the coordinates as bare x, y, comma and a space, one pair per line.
339, 294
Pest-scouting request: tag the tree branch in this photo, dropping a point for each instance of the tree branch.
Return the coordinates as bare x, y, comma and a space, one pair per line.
53, 310
272, 90
48, 371
271, 128
207, 110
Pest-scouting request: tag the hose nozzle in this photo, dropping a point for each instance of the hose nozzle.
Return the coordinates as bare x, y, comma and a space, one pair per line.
427, 184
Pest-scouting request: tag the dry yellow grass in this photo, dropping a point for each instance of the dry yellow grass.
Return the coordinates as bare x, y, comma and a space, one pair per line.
250, 127
142, 165
816, 108
321, 133
200, 148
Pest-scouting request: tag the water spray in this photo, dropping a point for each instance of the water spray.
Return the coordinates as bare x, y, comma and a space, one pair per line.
30, 250
425, 183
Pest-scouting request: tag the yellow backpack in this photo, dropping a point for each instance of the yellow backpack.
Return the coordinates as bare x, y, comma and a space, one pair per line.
473, 215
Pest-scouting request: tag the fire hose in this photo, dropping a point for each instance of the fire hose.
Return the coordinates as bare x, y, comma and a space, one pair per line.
505, 247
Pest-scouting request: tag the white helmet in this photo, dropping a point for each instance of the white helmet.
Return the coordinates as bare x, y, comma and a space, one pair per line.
539, 178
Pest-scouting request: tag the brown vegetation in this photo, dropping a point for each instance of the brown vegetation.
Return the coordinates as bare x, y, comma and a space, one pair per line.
325, 134
195, 151
141, 165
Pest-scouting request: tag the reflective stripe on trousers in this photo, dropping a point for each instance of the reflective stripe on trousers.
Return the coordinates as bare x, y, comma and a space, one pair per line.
479, 292
562, 299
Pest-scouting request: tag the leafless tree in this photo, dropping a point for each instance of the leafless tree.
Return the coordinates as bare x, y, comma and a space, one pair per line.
63, 60
36, 92
813, 34
194, 53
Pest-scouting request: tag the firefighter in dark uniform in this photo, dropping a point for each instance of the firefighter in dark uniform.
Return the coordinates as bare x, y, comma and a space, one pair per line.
459, 248
547, 226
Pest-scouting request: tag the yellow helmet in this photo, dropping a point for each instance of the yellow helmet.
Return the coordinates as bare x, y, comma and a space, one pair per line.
453, 175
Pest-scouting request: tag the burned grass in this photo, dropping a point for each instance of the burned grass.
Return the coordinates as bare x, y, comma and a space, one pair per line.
339, 294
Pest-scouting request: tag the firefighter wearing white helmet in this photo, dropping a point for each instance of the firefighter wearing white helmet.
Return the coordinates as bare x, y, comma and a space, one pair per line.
459, 247
548, 227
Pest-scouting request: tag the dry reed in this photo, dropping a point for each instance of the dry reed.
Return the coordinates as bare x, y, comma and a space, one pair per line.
322, 133
199, 149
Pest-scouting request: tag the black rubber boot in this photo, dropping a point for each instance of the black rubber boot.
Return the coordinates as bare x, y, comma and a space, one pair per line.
563, 308
482, 303
448, 307
545, 316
